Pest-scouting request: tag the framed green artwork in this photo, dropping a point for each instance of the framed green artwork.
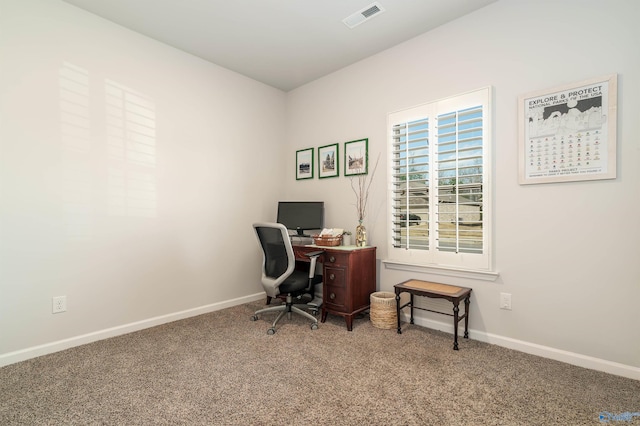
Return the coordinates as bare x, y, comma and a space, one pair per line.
304, 164
328, 161
356, 157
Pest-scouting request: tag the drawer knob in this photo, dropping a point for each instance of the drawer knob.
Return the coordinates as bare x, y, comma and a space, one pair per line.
332, 259
332, 296
332, 277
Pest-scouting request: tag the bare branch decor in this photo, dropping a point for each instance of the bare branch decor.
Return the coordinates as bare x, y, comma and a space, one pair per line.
360, 185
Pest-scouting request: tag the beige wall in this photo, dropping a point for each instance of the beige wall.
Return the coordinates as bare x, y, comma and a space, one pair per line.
568, 253
162, 234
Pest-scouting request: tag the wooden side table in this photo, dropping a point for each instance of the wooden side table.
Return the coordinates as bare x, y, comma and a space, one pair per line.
454, 294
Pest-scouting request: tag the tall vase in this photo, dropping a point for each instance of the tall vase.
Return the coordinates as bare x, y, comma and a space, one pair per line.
361, 235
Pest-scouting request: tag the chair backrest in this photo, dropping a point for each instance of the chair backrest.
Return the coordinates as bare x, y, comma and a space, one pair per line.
278, 259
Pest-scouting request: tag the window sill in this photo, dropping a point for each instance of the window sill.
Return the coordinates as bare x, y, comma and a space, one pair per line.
441, 270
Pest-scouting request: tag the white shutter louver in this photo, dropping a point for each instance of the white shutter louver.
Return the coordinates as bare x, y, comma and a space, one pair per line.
460, 175
411, 185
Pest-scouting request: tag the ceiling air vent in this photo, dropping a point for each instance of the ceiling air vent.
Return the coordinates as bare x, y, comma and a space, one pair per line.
365, 14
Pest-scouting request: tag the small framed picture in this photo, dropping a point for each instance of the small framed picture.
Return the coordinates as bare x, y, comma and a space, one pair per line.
328, 161
304, 164
356, 157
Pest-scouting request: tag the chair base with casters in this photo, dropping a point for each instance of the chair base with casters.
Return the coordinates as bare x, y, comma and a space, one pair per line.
287, 308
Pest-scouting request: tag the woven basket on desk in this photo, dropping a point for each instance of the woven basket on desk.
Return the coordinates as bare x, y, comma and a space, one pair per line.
383, 310
325, 240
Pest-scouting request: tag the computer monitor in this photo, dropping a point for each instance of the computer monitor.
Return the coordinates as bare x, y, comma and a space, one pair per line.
301, 216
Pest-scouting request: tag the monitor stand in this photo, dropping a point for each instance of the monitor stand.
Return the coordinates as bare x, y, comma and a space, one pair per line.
300, 238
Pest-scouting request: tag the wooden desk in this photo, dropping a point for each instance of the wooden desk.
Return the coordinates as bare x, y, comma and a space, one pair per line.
349, 278
454, 294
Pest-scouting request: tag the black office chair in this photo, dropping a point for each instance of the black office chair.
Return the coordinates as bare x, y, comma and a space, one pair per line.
279, 274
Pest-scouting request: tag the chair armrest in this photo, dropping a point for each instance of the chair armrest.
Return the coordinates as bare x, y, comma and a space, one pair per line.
314, 253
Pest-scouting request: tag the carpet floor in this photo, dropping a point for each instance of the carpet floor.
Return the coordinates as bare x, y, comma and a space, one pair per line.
223, 369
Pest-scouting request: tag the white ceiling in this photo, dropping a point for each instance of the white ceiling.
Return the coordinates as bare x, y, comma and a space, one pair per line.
283, 43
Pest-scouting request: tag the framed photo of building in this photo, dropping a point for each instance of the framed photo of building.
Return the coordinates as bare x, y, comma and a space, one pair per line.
304, 164
356, 157
328, 161
568, 133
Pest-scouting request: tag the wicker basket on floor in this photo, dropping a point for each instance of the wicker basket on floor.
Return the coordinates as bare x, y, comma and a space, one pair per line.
383, 310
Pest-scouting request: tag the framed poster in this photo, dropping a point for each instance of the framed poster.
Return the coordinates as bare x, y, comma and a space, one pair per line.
568, 133
304, 164
356, 157
328, 161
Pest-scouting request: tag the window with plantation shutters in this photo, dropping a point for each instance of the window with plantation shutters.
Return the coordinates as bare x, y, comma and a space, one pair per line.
439, 192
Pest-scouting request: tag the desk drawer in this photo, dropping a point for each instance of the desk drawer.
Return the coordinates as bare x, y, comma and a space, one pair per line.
334, 284
335, 298
333, 277
336, 259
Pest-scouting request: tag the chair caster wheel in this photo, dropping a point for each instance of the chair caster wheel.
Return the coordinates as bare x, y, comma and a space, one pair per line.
314, 326
271, 331
254, 318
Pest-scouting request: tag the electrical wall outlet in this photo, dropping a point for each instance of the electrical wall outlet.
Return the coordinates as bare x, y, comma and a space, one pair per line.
505, 301
59, 304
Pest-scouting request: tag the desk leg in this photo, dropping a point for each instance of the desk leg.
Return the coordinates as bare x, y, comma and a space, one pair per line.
349, 320
466, 316
398, 311
324, 315
456, 309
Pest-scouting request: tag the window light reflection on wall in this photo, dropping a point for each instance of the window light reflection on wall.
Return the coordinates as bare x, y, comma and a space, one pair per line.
131, 147
75, 132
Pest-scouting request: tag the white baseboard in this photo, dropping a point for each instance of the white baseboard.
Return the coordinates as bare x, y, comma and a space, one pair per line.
533, 349
48, 348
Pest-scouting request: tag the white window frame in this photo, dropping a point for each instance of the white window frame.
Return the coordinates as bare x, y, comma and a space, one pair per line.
431, 257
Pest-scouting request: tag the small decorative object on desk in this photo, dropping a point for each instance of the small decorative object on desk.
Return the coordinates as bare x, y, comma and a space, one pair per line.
361, 235
346, 238
328, 237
